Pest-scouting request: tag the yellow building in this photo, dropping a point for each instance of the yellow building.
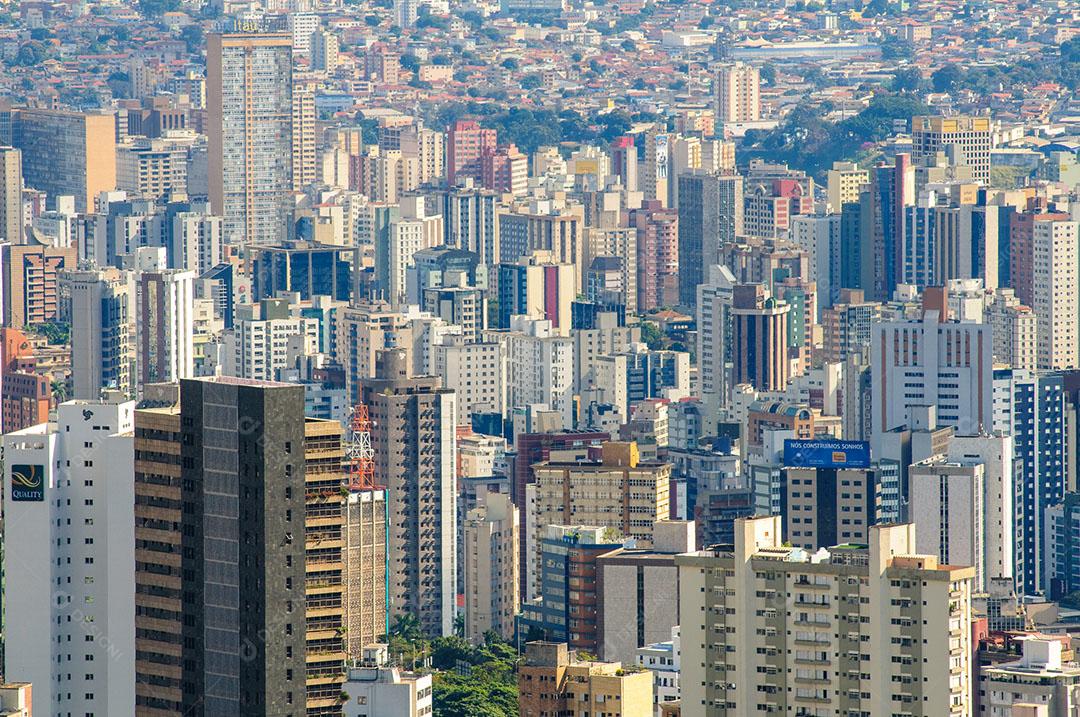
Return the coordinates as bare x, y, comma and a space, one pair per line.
324, 453
553, 681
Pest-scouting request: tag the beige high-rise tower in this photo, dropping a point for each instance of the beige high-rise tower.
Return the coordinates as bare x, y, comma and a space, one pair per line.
303, 142
11, 206
738, 96
872, 630
249, 93
67, 153
413, 428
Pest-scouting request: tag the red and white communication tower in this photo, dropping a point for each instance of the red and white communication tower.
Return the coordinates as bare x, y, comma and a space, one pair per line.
359, 452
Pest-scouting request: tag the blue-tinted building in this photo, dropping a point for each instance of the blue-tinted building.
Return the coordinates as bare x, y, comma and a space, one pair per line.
307, 268
1031, 407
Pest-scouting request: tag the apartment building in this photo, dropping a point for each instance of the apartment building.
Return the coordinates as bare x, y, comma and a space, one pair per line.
492, 582
553, 681
619, 491
875, 631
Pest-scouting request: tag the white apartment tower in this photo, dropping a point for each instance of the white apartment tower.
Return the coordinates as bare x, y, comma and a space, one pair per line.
69, 556
98, 305
165, 326
1055, 292
929, 362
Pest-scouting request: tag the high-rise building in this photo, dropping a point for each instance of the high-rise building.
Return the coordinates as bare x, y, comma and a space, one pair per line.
827, 505
31, 274
504, 169
326, 571
945, 502
25, 389
463, 306
619, 491
738, 88
243, 556
847, 325
759, 338
637, 591
466, 143
1063, 547
324, 51
819, 236
164, 325
364, 557
928, 361
98, 306
476, 370
553, 681
69, 548
710, 217
471, 222
11, 200
882, 227
540, 366
308, 268
537, 289
1041, 682
966, 140
1055, 293
559, 233
1031, 407
565, 608
158, 586
492, 580
1014, 328
67, 153
304, 167
258, 345
715, 298
250, 132
844, 182
533, 448
1022, 251
657, 256
414, 423
774, 611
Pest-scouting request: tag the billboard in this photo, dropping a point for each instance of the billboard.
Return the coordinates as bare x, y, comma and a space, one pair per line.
27, 482
826, 453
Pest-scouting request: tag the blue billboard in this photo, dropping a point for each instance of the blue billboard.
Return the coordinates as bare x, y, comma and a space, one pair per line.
826, 453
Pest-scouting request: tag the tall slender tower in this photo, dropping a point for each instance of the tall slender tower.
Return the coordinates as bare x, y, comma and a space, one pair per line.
250, 104
242, 485
413, 429
98, 305
11, 205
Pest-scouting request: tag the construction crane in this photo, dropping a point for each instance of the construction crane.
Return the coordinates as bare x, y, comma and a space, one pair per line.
360, 454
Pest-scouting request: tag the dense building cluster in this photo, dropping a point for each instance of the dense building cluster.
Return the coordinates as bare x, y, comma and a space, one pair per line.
552, 358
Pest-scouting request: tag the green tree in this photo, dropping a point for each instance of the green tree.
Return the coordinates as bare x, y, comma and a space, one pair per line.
768, 73
157, 8
947, 78
192, 35
651, 335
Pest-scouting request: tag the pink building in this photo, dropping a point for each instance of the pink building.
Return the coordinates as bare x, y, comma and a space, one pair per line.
657, 255
466, 144
505, 169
